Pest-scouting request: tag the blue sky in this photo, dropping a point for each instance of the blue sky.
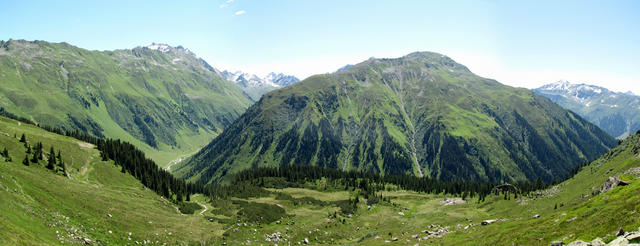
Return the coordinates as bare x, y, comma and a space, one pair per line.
515, 42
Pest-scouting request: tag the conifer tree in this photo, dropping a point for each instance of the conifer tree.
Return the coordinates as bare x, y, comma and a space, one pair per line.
104, 156
34, 158
28, 148
64, 168
40, 154
5, 152
52, 159
23, 139
26, 160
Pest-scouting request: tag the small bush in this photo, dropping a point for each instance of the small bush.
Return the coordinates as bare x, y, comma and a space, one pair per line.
346, 206
189, 207
259, 212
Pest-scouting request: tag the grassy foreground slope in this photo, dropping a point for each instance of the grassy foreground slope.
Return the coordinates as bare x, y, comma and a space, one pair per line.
96, 201
572, 210
583, 213
163, 99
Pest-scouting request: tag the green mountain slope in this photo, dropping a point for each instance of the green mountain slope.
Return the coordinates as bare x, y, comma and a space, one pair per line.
616, 113
422, 114
575, 209
95, 201
165, 100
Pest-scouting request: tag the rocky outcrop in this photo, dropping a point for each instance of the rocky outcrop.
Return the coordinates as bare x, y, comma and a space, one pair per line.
612, 183
624, 238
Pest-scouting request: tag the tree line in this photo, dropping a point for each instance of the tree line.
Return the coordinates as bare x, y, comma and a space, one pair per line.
133, 161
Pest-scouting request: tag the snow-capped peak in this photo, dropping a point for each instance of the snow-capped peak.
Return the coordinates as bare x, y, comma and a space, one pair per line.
160, 47
251, 80
560, 85
568, 87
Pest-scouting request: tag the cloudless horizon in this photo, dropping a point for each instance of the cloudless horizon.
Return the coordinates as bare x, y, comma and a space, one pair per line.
523, 44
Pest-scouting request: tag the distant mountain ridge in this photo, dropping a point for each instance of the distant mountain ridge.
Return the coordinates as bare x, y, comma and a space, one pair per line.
256, 86
615, 112
421, 114
164, 99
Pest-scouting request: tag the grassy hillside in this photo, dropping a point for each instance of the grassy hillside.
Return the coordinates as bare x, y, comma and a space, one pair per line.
421, 114
320, 212
96, 201
572, 210
41, 207
165, 100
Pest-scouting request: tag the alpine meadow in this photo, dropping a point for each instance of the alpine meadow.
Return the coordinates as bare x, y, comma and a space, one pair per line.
236, 122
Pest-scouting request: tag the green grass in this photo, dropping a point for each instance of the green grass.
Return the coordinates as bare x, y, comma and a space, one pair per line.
44, 202
168, 109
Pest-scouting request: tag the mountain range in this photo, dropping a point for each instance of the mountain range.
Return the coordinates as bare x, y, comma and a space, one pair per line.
615, 112
256, 86
281, 170
421, 114
163, 99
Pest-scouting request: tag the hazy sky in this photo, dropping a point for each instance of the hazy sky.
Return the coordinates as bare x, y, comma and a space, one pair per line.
516, 43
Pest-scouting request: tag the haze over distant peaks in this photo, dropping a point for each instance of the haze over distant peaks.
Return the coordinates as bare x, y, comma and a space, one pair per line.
617, 113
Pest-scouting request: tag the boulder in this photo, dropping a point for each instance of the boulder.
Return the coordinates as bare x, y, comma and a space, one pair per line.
305, 241
488, 222
612, 183
536, 216
598, 242
619, 241
633, 236
579, 243
557, 243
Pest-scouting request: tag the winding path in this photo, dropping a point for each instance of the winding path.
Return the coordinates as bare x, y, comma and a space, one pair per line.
174, 162
204, 210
